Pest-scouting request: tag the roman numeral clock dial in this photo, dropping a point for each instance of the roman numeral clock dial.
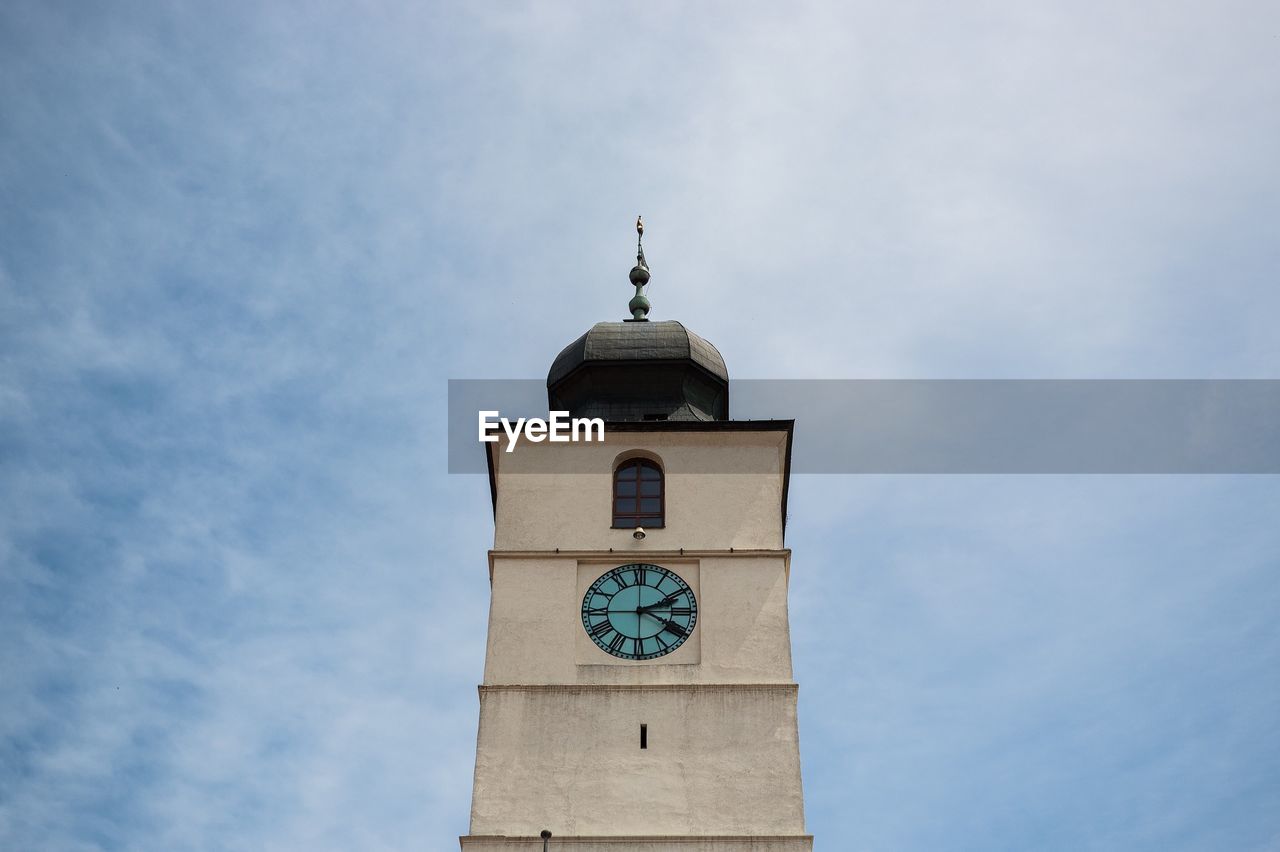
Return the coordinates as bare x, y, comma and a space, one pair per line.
639, 611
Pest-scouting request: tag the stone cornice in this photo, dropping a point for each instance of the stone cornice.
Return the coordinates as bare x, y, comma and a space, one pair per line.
649, 554
622, 556
637, 687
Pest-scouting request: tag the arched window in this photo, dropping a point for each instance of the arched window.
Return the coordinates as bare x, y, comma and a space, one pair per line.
638, 498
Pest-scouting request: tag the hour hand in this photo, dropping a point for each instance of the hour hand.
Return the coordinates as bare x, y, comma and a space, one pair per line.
667, 601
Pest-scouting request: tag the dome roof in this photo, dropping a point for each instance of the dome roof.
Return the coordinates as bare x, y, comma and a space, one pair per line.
640, 371
667, 340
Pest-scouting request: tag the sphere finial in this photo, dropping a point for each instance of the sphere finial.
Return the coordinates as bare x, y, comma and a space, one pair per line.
639, 304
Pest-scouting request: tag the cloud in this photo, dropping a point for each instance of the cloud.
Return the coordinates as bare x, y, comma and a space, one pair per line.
242, 250
1066, 662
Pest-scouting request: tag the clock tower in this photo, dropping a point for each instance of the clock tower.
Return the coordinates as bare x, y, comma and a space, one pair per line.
638, 693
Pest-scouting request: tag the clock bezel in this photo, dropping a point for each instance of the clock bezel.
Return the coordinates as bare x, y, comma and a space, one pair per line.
607, 640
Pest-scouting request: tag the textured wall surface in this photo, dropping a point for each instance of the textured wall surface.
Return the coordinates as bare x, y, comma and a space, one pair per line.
721, 760
536, 634
559, 735
642, 844
723, 490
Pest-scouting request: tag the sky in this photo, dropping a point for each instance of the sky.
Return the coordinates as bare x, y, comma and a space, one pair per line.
244, 246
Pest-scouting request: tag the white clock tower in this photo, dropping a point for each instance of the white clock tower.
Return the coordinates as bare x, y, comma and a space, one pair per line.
638, 692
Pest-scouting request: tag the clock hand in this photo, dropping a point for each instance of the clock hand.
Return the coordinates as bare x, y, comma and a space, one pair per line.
669, 625
667, 601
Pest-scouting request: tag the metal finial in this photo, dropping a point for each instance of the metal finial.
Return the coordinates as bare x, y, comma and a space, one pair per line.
639, 305
640, 242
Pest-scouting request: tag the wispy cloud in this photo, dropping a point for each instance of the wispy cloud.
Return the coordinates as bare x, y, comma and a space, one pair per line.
242, 249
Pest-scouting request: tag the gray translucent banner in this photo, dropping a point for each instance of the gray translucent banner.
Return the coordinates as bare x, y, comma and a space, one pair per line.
967, 426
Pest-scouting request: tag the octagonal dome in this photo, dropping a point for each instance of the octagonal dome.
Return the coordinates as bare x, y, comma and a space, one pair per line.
640, 371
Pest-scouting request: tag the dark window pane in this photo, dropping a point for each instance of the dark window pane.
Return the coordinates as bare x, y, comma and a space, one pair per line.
637, 494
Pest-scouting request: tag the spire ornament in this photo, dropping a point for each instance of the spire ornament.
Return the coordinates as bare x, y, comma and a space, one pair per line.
639, 304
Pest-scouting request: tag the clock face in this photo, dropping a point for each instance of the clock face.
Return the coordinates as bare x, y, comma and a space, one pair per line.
639, 612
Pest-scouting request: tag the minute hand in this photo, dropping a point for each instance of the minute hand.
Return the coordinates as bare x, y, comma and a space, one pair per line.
669, 625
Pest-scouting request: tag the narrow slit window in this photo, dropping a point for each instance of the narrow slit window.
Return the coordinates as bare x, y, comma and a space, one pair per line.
644, 735
639, 498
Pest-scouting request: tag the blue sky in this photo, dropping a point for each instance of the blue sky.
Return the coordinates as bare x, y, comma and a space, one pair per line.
244, 246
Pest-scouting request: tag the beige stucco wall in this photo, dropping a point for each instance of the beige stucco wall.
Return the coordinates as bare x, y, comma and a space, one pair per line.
722, 490
536, 634
558, 744
722, 760
792, 843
